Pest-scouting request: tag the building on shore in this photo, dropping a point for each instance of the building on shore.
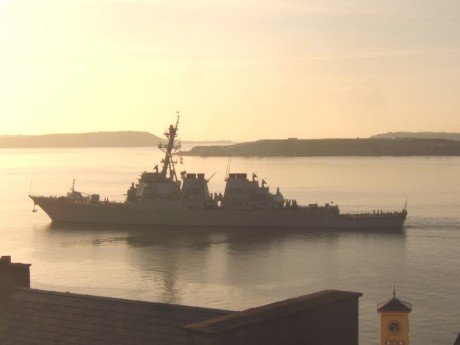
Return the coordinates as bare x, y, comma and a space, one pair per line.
38, 317
394, 321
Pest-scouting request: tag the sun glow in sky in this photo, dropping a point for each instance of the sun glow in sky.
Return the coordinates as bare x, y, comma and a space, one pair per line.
239, 70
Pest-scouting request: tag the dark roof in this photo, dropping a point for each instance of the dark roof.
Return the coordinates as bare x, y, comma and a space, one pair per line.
36, 317
277, 310
394, 304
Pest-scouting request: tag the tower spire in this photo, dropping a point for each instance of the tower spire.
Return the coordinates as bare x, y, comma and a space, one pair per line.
394, 321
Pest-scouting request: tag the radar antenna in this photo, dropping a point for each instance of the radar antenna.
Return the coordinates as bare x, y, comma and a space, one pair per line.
172, 145
178, 117
228, 168
211, 176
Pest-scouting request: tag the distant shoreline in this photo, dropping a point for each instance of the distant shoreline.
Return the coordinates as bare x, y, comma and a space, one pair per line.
332, 148
389, 144
88, 140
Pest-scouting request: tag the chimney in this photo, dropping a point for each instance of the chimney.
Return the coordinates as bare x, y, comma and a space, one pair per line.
13, 275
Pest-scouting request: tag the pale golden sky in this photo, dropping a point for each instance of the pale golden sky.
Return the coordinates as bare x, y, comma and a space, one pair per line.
236, 69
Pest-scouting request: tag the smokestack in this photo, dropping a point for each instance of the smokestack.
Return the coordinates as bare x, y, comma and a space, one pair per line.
13, 275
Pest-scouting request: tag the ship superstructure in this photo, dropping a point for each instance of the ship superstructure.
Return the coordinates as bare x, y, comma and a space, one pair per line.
160, 197
164, 187
159, 185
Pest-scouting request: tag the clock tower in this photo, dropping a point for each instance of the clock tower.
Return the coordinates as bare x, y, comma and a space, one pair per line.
394, 321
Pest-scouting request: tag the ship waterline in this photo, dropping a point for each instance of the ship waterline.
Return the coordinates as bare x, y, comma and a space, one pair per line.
161, 198
63, 210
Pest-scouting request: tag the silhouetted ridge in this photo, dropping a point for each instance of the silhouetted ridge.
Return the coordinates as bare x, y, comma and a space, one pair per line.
97, 139
333, 147
419, 135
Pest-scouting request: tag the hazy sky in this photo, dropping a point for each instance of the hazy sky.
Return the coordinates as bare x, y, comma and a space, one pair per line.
239, 69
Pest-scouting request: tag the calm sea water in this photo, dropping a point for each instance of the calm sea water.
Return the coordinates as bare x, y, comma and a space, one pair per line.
235, 270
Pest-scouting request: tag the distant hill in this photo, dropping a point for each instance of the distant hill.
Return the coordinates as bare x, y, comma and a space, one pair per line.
332, 147
420, 135
216, 142
96, 139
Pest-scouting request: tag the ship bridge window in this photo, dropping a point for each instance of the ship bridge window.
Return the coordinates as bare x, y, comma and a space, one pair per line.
192, 191
235, 191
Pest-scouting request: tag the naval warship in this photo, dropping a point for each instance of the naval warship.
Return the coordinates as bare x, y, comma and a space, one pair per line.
161, 197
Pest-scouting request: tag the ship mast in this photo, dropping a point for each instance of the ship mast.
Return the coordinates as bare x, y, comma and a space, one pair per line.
168, 161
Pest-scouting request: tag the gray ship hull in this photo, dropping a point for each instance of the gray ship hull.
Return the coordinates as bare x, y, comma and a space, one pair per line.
174, 214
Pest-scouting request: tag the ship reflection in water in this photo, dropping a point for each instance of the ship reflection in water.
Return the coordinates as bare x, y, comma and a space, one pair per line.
206, 266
